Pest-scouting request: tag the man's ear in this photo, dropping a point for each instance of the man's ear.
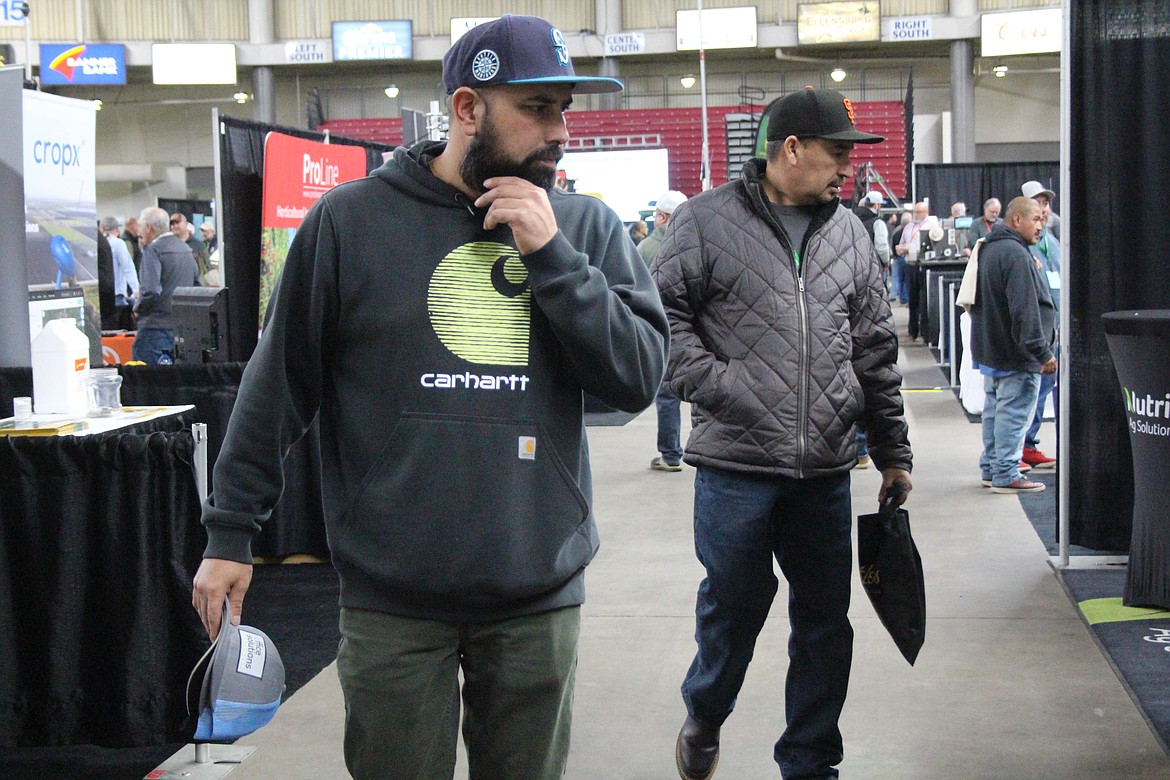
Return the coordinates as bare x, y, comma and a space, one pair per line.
467, 107
790, 148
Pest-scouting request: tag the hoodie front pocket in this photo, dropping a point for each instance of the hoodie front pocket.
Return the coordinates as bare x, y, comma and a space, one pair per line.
472, 509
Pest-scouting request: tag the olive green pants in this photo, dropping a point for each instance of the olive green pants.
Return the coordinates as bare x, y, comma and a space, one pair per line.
400, 677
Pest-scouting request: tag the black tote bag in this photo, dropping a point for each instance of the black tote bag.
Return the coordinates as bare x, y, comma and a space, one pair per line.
891, 573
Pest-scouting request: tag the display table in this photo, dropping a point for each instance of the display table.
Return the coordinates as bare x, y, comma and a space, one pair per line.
84, 425
1139, 342
99, 540
297, 525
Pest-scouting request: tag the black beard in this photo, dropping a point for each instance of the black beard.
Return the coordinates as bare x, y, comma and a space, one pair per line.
484, 161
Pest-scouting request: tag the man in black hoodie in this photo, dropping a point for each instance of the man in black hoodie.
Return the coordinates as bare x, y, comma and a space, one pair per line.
442, 318
1013, 332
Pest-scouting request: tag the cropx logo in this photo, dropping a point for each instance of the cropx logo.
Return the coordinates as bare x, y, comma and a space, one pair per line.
1154, 410
56, 154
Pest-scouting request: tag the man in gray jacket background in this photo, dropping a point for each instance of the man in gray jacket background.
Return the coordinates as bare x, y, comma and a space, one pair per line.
167, 263
781, 340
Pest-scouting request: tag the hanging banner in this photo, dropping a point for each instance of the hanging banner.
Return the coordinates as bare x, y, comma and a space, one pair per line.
60, 196
296, 173
82, 63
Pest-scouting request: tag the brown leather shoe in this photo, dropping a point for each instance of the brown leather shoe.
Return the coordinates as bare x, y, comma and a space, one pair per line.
697, 750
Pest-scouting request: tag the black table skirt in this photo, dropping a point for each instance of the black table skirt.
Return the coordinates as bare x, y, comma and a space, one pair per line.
99, 539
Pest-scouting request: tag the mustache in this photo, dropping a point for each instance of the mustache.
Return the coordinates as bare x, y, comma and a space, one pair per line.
551, 153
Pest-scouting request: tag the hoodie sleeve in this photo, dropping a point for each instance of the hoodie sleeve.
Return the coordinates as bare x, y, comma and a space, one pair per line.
1022, 282
603, 308
280, 392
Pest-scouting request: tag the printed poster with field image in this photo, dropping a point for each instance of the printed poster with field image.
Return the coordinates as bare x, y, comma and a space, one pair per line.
296, 173
60, 200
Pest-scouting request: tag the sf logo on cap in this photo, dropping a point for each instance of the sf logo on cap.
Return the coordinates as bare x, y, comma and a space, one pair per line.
559, 45
485, 65
849, 108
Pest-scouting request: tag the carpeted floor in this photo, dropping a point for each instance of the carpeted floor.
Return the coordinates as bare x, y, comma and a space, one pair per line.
295, 604
1136, 641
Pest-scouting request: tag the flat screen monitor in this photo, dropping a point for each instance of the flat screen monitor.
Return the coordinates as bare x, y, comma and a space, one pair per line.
201, 324
963, 223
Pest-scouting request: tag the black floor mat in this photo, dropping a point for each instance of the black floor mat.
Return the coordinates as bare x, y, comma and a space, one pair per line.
1136, 641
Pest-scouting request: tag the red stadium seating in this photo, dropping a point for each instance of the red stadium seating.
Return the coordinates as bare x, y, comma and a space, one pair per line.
680, 130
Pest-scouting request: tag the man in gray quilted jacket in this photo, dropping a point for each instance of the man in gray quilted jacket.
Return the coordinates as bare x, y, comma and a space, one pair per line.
781, 340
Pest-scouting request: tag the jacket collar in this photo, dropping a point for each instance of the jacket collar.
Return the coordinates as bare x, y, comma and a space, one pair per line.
751, 178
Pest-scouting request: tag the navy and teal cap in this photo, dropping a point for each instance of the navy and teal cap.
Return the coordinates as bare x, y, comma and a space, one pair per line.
516, 50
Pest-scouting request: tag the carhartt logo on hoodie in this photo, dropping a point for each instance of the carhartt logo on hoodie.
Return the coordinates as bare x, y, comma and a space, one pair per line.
480, 304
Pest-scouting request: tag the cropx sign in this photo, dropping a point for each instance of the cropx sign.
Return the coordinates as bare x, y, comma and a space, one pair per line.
83, 63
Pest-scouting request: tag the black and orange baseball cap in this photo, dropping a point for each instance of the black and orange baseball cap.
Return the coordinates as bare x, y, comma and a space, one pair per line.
815, 113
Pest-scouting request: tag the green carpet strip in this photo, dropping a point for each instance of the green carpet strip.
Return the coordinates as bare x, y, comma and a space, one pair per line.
1113, 611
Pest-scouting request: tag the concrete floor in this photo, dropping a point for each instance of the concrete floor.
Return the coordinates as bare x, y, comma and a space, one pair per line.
1010, 684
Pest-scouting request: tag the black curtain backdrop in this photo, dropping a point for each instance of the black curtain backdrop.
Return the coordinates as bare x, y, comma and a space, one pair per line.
99, 539
241, 146
1120, 196
973, 183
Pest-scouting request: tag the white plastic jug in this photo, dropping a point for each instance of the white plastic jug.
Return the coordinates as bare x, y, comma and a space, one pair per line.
60, 367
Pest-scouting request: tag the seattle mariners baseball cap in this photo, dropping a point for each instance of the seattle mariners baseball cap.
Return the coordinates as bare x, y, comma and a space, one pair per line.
240, 678
815, 113
516, 50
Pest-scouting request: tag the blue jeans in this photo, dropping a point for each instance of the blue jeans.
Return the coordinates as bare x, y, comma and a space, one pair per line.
898, 274
1047, 383
151, 344
742, 521
669, 426
862, 442
1007, 408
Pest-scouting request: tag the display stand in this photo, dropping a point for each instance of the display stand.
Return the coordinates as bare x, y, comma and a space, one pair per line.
1139, 342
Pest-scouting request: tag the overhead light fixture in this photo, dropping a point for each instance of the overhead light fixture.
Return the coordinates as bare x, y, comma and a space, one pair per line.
240, 97
391, 91
687, 81
1000, 71
838, 74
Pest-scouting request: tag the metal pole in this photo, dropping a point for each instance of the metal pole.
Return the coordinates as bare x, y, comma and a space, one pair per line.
1062, 387
27, 48
199, 433
954, 326
705, 173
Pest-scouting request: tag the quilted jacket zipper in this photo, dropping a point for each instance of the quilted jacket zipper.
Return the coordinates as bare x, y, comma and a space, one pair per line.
802, 316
